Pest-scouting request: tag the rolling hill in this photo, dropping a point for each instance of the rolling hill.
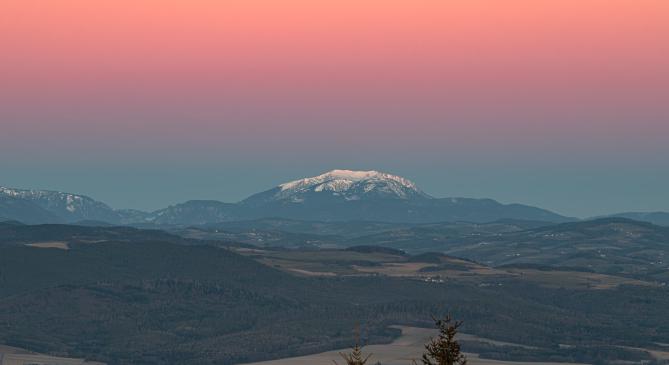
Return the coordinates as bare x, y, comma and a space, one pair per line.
143, 297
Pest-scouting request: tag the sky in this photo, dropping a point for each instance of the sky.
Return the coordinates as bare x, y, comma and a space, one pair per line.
562, 104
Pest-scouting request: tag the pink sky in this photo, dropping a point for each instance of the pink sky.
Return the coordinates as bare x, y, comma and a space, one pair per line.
524, 81
441, 61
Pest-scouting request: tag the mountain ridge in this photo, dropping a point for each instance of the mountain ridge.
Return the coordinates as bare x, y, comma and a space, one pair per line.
659, 218
68, 207
337, 195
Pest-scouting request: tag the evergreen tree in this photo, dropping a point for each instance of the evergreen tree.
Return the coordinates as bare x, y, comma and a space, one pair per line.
355, 357
444, 349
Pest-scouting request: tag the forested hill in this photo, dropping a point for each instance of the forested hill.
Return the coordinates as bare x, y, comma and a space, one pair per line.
151, 301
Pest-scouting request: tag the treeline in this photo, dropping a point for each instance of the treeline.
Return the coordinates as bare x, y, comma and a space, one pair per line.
445, 349
145, 303
441, 350
596, 355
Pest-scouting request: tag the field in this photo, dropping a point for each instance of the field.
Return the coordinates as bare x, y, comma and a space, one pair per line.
430, 267
13, 355
58, 245
400, 352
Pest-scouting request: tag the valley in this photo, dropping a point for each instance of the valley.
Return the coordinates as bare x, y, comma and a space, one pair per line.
430, 267
123, 295
409, 346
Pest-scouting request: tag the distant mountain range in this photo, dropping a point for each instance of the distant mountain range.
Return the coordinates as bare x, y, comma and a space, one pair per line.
338, 195
659, 218
38, 206
24, 211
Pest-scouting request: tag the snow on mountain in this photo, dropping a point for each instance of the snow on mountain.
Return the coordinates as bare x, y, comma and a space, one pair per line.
70, 207
337, 195
351, 185
345, 195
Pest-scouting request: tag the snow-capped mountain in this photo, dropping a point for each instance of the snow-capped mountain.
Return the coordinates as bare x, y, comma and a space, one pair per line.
67, 207
338, 195
344, 195
345, 185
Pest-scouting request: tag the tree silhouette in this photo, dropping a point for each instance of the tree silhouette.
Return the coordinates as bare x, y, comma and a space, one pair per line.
444, 349
355, 357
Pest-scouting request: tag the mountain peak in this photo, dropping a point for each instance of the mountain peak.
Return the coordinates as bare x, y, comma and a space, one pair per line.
347, 175
351, 185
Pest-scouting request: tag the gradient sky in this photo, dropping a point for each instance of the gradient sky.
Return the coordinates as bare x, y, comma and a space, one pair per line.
562, 104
